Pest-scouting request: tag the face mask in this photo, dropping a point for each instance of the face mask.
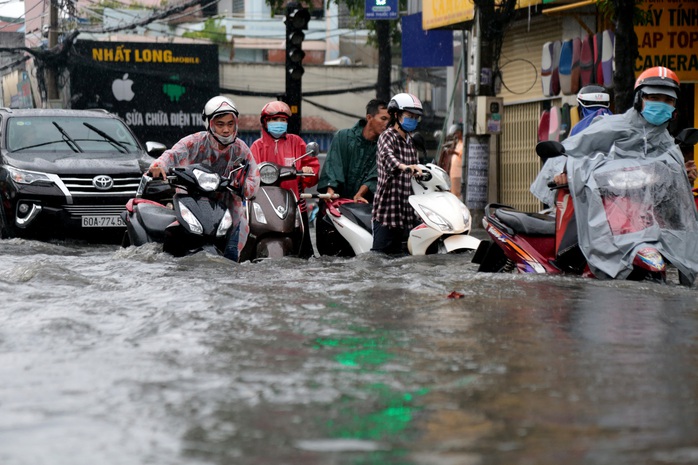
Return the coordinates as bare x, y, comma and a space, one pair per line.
409, 124
227, 140
657, 113
589, 111
277, 128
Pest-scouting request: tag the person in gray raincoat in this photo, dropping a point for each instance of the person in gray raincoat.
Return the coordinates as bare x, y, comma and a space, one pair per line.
593, 103
607, 156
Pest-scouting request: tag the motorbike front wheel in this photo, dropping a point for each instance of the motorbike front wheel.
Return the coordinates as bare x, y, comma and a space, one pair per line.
275, 247
490, 257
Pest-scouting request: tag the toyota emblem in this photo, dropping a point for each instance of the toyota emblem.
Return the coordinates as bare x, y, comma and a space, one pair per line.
103, 182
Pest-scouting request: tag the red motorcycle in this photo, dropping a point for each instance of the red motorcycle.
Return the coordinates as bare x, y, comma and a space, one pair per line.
541, 243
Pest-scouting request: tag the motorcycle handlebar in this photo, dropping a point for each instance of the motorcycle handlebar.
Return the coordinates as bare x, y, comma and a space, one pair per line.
425, 175
319, 196
553, 185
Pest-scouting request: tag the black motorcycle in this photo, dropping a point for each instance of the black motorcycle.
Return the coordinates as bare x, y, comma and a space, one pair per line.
197, 218
276, 228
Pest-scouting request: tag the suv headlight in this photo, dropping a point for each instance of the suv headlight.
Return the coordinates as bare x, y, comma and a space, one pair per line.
28, 177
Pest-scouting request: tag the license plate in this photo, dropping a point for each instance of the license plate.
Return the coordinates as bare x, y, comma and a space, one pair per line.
102, 222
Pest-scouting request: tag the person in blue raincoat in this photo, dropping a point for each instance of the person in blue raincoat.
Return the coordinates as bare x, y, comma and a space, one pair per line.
593, 103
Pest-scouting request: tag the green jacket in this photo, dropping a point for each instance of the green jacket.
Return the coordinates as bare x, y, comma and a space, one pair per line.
350, 162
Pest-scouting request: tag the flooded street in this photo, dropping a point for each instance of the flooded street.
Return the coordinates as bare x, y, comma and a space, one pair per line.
114, 356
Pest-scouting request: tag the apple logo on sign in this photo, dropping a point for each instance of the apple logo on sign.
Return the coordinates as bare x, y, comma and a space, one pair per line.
121, 88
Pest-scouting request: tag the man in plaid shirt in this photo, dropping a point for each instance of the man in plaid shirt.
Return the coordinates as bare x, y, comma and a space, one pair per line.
397, 161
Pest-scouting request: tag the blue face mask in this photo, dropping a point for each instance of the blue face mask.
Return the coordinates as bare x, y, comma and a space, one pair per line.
657, 113
409, 124
277, 128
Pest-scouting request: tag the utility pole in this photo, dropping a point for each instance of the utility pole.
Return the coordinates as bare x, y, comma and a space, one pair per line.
51, 86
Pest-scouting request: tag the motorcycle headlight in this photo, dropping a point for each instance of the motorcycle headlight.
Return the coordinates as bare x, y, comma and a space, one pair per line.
259, 213
191, 220
436, 218
268, 173
207, 181
631, 179
28, 177
226, 223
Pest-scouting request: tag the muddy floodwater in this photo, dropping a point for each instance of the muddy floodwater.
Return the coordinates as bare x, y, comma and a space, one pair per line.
114, 356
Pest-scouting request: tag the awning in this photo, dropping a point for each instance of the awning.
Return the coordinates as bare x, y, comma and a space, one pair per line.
568, 10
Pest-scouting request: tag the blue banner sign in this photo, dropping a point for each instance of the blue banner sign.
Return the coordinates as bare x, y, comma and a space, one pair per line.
425, 49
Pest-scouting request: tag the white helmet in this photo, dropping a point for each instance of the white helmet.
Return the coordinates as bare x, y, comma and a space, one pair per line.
218, 106
405, 102
593, 96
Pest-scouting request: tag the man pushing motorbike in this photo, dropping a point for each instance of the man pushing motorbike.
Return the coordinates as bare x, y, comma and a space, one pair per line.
219, 147
633, 140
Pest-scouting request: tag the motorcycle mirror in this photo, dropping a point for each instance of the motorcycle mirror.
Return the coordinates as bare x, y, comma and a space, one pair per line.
688, 136
549, 149
313, 149
155, 149
420, 143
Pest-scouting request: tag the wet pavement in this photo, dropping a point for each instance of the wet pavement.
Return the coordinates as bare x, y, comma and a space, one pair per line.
130, 356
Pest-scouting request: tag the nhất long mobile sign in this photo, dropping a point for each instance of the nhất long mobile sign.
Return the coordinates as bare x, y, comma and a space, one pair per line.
158, 89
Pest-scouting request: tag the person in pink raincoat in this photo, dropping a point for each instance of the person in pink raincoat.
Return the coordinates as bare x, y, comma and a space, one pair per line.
219, 147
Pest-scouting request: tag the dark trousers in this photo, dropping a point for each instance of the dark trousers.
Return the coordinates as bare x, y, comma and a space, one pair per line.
306, 248
388, 240
231, 250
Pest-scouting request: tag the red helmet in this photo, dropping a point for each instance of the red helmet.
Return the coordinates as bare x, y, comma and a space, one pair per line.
658, 80
275, 109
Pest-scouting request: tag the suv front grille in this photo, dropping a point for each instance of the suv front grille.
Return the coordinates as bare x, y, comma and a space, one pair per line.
78, 211
82, 185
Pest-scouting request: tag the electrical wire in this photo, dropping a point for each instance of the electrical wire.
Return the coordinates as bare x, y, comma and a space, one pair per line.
535, 74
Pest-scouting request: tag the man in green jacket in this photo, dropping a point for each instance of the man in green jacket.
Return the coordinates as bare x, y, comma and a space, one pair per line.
350, 167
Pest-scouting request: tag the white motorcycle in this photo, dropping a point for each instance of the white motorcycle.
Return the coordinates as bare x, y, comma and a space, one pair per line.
446, 221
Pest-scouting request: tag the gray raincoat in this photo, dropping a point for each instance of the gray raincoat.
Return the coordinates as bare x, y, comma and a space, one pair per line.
630, 190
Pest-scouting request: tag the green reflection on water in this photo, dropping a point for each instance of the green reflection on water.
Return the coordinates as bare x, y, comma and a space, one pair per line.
386, 413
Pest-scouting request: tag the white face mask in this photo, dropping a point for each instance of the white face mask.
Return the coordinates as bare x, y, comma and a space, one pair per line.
227, 140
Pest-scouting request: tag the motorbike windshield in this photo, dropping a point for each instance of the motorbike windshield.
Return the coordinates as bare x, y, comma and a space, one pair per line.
624, 204
68, 134
640, 197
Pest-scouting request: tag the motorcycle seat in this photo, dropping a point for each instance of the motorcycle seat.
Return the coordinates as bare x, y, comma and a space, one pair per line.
359, 213
532, 224
155, 217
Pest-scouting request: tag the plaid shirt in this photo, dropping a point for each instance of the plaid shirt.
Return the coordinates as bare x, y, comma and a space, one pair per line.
390, 205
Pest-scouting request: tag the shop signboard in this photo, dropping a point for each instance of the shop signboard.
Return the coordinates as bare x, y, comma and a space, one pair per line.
158, 89
670, 37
